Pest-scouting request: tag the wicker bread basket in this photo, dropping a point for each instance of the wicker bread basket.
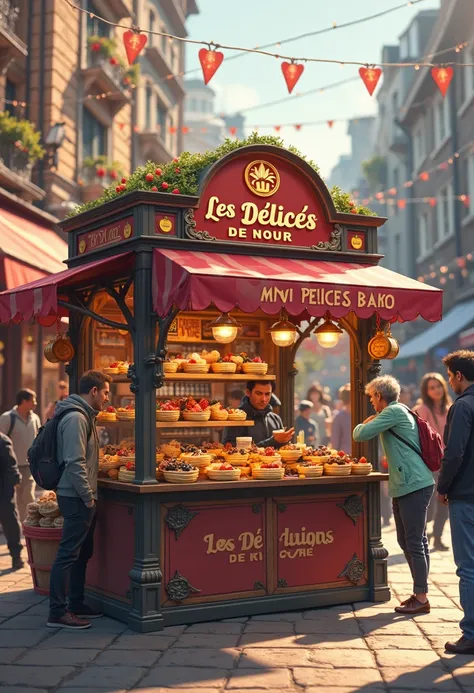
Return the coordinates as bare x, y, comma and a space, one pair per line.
197, 415
181, 477
337, 469
168, 415
225, 367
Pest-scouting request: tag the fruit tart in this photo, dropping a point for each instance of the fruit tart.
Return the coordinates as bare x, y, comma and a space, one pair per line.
171, 449
168, 411
177, 472
170, 366
223, 472
236, 456
290, 452
321, 455
196, 411
108, 415
270, 470
236, 414
127, 472
219, 413
224, 365
126, 413
111, 369
196, 364
196, 457
338, 465
123, 367
361, 466
270, 455
210, 356
254, 366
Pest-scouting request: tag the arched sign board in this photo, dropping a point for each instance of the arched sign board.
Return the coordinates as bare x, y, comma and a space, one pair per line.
264, 195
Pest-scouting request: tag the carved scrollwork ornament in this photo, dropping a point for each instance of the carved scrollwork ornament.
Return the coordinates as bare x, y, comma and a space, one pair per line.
178, 517
132, 375
190, 228
282, 583
353, 507
258, 586
335, 241
256, 508
178, 588
354, 570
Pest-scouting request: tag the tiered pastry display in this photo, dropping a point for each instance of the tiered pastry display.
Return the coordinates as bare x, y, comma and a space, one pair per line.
109, 415
212, 361
44, 512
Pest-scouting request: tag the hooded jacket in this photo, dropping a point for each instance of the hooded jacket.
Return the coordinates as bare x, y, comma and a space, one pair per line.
9, 472
456, 478
78, 448
266, 421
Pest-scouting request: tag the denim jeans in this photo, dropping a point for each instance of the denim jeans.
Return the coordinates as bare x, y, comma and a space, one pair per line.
461, 515
437, 513
410, 520
75, 549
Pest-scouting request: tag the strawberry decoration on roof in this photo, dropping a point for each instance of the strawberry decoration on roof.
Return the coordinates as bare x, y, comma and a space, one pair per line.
370, 76
134, 43
210, 62
442, 76
291, 72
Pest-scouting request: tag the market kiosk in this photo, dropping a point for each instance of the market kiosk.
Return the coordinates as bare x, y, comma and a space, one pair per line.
149, 272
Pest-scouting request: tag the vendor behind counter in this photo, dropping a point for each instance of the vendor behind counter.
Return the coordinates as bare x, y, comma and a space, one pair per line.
256, 404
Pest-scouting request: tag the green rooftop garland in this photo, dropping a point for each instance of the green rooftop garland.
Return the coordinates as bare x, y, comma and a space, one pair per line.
180, 176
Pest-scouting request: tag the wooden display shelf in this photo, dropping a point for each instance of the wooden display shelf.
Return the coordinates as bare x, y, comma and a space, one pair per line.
204, 377
184, 424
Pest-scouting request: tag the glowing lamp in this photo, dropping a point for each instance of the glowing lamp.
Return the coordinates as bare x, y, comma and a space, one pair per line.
224, 329
283, 333
328, 334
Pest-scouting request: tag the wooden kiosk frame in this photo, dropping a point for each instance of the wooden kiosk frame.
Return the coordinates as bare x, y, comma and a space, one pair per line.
168, 554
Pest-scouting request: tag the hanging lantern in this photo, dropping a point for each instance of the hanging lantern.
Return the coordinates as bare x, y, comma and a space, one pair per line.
328, 334
224, 329
283, 332
370, 76
134, 43
291, 72
383, 346
210, 63
442, 76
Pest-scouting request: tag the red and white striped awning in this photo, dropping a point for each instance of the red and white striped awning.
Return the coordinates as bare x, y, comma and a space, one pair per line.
39, 299
194, 280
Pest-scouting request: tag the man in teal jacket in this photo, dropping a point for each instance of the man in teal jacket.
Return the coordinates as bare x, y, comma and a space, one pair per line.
410, 483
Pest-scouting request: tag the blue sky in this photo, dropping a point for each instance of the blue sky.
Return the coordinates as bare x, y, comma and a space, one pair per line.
254, 79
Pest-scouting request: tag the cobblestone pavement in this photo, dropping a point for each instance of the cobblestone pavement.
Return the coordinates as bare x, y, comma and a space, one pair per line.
364, 648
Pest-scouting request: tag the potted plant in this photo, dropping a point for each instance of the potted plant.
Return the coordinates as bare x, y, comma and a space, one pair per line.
20, 146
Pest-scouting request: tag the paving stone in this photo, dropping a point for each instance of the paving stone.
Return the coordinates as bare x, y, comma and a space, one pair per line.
154, 689
125, 676
90, 689
414, 678
170, 631
138, 658
138, 641
109, 625
53, 657
403, 626
22, 638
446, 579
85, 640
266, 640
24, 622
407, 658
440, 616
184, 677
8, 654
256, 678
348, 627
439, 628
324, 614
209, 641
216, 628
465, 677
284, 616
336, 677
269, 627
46, 677
199, 657
237, 619
316, 641
274, 657
345, 689
453, 662
7, 610
397, 642
22, 689
437, 642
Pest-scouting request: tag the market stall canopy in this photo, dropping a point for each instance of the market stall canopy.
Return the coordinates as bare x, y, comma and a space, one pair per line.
195, 280
30, 250
453, 322
39, 299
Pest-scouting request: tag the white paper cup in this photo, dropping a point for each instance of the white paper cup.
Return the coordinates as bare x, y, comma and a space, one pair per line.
243, 442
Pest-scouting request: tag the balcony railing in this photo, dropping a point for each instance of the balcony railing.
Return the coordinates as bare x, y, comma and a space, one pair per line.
8, 15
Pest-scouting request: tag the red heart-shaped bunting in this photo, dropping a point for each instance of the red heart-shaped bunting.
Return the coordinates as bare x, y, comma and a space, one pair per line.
134, 44
210, 62
370, 77
291, 73
442, 76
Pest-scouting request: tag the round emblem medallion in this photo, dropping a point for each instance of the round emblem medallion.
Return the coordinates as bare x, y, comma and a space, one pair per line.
127, 230
82, 246
262, 178
383, 347
356, 242
166, 225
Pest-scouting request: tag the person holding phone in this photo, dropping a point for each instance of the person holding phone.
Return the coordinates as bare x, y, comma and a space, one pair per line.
268, 430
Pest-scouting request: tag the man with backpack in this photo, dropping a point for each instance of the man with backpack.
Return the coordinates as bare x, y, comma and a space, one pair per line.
21, 425
456, 487
410, 483
77, 453
9, 479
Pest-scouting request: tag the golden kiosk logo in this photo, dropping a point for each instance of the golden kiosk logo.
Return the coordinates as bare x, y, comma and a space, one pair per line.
262, 178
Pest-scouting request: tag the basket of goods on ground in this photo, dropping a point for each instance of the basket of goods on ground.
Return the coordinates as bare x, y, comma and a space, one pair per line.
42, 530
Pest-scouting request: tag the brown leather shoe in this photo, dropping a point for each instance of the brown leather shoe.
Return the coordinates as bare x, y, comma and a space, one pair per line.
461, 646
405, 601
413, 606
69, 622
